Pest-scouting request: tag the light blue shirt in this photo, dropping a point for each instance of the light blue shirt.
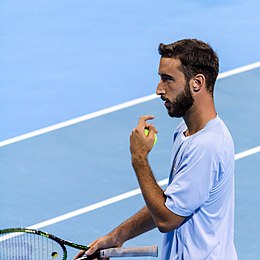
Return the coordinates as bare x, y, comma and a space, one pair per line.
201, 188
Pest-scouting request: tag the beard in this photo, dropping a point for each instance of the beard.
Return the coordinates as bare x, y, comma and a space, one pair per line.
181, 104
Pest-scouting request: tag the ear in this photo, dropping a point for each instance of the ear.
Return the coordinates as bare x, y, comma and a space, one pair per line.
198, 82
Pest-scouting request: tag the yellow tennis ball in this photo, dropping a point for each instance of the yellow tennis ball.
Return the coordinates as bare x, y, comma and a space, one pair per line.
146, 132
54, 254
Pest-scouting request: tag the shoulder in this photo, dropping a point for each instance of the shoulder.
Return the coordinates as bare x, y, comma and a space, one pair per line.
217, 132
213, 139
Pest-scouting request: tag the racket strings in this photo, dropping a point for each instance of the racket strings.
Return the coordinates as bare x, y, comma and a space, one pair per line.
26, 246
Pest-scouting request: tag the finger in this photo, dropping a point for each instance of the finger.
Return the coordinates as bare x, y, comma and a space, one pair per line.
152, 129
93, 247
142, 121
147, 117
91, 251
80, 254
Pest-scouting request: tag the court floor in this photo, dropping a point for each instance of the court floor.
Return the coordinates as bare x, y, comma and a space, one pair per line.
76, 77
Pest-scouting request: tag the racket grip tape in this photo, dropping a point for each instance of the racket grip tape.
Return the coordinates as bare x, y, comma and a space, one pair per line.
131, 251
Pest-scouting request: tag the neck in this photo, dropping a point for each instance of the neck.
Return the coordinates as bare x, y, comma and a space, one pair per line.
199, 115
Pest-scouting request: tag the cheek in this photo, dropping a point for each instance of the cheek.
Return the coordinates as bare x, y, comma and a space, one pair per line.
174, 92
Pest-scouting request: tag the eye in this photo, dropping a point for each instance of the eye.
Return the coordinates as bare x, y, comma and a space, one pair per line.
167, 79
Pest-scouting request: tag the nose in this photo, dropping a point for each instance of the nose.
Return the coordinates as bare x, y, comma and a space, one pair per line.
160, 89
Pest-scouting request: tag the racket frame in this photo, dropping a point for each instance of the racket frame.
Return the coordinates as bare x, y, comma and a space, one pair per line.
58, 240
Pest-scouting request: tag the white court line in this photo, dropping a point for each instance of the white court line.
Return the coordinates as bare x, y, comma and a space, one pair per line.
239, 70
112, 109
120, 197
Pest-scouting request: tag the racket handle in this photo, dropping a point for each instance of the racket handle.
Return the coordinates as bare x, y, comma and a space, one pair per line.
124, 252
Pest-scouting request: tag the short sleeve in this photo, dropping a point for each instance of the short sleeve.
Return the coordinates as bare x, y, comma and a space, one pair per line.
193, 177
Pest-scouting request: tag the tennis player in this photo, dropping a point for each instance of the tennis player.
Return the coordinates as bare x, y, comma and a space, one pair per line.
196, 211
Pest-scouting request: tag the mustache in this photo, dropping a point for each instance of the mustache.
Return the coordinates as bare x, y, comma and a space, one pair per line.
164, 99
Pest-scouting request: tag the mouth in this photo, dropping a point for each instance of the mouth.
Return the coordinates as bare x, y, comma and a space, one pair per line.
167, 102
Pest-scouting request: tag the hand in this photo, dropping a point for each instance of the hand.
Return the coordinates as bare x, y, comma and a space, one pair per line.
107, 241
140, 144
92, 257
82, 254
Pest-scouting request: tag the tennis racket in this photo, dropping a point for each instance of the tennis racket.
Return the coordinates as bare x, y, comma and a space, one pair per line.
31, 244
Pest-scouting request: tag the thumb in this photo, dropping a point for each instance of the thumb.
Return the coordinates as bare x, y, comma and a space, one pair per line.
152, 129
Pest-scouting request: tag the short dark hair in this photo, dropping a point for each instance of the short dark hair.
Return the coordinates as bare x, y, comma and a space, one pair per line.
196, 57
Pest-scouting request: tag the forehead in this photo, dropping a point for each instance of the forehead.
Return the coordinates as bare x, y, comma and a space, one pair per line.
169, 66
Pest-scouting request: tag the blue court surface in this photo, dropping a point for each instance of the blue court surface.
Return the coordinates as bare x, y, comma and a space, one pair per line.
75, 76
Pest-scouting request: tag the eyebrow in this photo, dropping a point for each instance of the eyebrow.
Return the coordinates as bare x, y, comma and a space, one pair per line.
166, 76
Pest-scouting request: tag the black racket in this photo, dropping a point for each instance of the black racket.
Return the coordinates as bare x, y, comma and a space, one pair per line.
31, 244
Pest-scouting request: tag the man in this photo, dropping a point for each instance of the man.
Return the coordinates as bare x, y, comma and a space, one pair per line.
196, 211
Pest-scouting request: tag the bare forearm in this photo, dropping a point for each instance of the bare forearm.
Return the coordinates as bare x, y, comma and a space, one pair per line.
138, 224
152, 192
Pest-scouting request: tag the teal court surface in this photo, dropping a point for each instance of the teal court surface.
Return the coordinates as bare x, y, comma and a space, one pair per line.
76, 77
